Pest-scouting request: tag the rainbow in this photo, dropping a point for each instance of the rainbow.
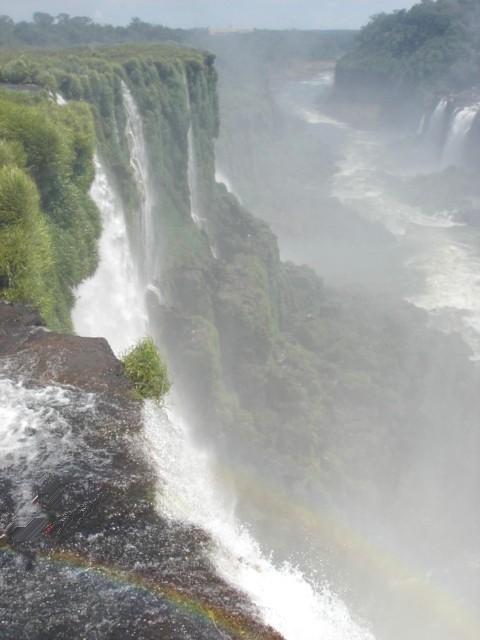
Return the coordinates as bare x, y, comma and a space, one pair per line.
223, 621
359, 556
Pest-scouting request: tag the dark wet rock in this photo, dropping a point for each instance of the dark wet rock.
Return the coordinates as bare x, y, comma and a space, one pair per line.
46, 356
123, 571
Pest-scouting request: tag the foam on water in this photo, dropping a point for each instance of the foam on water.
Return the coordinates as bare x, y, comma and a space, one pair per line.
315, 117
359, 184
442, 251
38, 436
189, 491
452, 286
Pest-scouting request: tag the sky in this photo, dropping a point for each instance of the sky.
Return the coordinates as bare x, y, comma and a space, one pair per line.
271, 14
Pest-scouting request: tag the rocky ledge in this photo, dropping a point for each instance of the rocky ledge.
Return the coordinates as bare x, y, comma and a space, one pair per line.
123, 570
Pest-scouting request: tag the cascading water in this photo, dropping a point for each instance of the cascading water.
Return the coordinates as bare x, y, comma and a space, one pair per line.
112, 303
441, 259
192, 176
192, 181
441, 262
222, 179
36, 433
192, 167
434, 128
187, 489
141, 169
453, 152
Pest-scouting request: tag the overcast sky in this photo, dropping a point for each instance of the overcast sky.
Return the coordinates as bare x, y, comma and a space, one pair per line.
273, 14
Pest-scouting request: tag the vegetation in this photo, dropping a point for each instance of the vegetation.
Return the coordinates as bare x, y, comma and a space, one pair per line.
49, 226
431, 48
158, 77
145, 369
270, 47
296, 383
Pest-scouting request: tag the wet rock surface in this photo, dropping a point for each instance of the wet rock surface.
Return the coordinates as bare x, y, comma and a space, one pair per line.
123, 570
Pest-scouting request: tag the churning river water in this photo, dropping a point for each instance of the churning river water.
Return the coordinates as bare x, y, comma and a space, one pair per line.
440, 254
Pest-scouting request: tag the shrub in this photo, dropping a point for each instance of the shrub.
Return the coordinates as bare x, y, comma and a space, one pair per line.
146, 370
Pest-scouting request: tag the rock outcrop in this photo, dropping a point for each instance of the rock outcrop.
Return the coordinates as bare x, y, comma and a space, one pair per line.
123, 571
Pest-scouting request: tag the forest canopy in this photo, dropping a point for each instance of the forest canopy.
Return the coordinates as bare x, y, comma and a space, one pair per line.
433, 47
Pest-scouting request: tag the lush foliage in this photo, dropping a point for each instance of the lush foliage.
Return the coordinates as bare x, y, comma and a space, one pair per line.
145, 369
158, 77
296, 383
434, 46
49, 225
272, 47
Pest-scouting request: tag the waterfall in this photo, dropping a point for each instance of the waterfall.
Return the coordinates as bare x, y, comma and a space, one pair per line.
187, 489
193, 180
200, 222
222, 179
192, 177
437, 119
112, 303
457, 135
421, 126
141, 169
433, 130
192, 166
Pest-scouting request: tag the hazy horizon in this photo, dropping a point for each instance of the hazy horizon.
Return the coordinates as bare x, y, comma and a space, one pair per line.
263, 14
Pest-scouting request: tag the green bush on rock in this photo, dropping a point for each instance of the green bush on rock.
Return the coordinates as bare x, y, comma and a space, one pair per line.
146, 370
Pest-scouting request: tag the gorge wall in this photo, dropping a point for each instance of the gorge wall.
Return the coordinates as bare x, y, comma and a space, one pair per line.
295, 386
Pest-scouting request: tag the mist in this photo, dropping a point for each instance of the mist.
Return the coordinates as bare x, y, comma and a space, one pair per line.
297, 227
385, 214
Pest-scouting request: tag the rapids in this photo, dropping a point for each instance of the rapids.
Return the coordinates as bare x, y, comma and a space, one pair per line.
440, 254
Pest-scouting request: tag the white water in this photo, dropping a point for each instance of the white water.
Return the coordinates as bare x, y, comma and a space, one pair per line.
360, 184
188, 490
192, 168
442, 254
141, 169
111, 303
221, 178
436, 124
457, 136
37, 435
192, 181
200, 221
187, 486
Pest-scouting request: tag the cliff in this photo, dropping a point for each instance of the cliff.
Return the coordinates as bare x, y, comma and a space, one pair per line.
123, 564
324, 397
317, 380
401, 61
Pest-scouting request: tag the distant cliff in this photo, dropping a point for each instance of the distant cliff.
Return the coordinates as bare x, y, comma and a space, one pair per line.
409, 56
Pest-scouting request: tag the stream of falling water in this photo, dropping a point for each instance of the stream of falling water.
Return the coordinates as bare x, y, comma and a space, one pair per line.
187, 487
112, 303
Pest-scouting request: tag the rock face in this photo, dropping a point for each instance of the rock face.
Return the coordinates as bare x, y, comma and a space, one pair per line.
46, 356
122, 571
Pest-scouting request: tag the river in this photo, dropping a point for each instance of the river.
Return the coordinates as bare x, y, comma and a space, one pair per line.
438, 257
